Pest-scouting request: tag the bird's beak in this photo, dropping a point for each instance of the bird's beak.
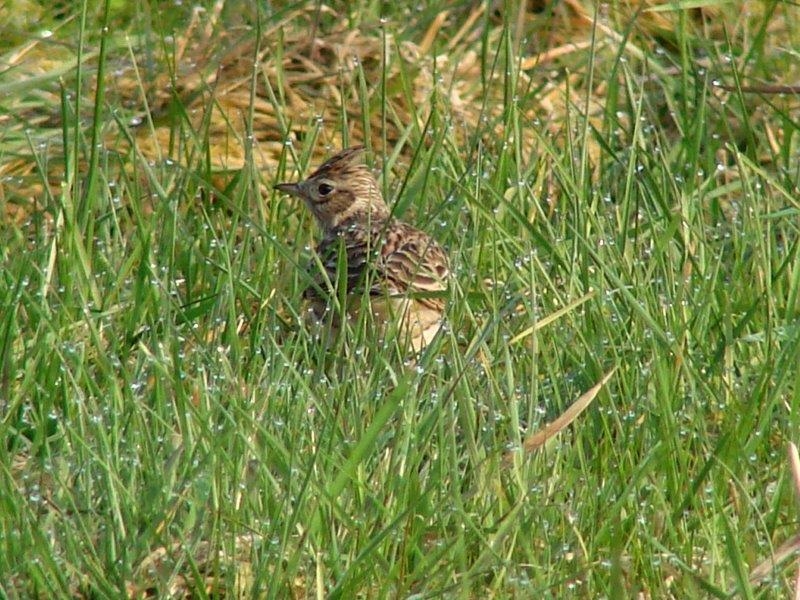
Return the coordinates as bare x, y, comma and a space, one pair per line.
293, 189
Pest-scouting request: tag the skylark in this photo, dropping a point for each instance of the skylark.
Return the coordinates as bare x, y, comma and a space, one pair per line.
402, 268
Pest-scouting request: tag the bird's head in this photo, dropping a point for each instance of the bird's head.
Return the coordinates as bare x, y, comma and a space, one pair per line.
341, 189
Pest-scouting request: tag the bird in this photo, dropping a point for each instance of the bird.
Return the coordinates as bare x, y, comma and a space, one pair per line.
366, 254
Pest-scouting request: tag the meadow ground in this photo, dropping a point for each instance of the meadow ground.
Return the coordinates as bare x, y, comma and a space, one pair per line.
617, 186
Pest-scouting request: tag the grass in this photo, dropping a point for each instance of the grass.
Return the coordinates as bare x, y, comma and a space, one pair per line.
171, 427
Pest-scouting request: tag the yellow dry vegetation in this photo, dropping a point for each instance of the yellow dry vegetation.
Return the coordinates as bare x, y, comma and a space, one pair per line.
305, 82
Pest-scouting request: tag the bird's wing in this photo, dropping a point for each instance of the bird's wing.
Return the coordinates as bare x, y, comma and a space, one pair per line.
412, 261
403, 259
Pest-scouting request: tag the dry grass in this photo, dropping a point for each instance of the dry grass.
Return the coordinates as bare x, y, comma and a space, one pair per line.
304, 79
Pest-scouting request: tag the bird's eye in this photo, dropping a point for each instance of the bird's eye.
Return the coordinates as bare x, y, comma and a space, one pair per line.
324, 189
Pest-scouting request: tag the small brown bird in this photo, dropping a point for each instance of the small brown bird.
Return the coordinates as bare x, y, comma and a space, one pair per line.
404, 270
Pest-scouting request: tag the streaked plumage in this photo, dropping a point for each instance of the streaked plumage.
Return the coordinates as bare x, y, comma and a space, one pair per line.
405, 270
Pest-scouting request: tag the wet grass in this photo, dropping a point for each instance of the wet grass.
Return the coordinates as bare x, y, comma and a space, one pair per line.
167, 417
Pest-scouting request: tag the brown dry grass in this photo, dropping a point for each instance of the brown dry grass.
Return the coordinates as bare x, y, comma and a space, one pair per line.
307, 83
